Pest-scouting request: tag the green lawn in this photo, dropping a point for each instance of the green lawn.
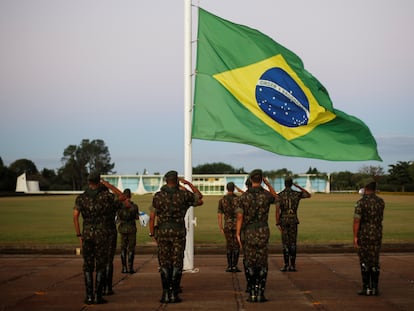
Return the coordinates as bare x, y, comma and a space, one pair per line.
325, 219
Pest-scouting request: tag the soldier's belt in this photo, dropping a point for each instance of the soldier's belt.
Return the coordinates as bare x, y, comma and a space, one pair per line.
171, 225
256, 225
93, 227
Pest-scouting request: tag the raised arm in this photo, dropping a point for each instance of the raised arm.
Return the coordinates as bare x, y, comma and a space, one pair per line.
304, 191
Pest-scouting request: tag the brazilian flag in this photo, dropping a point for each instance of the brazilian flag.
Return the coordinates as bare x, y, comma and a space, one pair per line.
251, 90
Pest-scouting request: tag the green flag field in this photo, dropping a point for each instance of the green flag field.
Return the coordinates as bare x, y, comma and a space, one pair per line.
324, 219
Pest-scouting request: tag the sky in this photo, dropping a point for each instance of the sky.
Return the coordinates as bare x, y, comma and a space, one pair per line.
113, 70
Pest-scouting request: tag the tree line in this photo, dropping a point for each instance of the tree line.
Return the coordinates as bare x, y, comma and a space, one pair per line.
93, 155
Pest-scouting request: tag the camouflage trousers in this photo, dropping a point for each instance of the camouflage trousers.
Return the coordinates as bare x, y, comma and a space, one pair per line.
171, 245
129, 241
256, 247
289, 234
231, 239
95, 251
368, 253
112, 239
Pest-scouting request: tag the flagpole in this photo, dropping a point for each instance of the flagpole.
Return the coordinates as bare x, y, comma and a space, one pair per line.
189, 219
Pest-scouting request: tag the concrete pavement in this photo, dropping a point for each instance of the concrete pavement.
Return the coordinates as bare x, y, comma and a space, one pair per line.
323, 282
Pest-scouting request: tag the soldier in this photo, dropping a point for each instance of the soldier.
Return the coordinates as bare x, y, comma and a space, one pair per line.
287, 221
252, 231
226, 208
367, 228
96, 206
169, 207
127, 227
112, 239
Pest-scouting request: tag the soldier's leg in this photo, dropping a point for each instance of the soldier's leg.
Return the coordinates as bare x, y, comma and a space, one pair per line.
293, 233
101, 251
262, 263
365, 272
375, 270
88, 268
164, 249
235, 251
229, 250
177, 263
131, 252
285, 246
124, 245
109, 269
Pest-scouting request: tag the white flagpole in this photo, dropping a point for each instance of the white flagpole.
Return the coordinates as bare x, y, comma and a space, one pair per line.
189, 219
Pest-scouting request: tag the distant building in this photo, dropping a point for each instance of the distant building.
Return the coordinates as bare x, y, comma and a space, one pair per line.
26, 186
213, 184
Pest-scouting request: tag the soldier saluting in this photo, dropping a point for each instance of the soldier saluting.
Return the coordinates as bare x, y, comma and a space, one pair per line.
168, 209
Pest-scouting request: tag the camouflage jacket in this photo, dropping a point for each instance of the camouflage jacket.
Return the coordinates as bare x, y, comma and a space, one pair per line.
288, 204
127, 217
171, 204
254, 204
370, 210
97, 208
226, 206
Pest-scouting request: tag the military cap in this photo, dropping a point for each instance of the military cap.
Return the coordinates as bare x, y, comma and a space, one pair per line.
94, 177
171, 174
368, 181
256, 172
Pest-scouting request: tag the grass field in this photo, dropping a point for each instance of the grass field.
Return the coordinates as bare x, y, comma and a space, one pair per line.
325, 219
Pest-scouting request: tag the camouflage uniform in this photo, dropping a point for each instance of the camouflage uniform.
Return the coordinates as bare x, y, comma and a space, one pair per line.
112, 240
254, 204
226, 207
370, 210
288, 205
170, 205
96, 207
128, 230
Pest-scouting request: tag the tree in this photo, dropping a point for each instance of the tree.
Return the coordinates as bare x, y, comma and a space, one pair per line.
217, 168
7, 178
313, 171
24, 166
399, 174
277, 173
374, 171
79, 161
343, 181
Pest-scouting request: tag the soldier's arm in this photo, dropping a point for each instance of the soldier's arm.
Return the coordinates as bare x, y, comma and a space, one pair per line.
305, 193
269, 186
238, 227
356, 225
76, 214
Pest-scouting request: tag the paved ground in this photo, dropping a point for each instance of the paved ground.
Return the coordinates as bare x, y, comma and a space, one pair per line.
323, 282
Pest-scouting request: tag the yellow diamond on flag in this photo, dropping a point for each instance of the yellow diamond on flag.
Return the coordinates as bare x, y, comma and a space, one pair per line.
273, 92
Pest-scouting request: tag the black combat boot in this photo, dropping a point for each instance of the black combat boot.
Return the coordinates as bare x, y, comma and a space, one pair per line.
123, 260
365, 274
100, 281
261, 284
292, 255
89, 287
235, 260
229, 261
285, 259
165, 274
247, 276
109, 272
175, 285
252, 283
131, 256
375, 271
